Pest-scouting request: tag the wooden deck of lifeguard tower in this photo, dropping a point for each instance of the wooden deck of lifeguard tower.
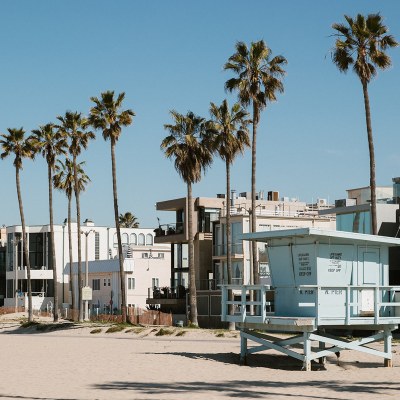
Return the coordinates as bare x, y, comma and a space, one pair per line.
309, 306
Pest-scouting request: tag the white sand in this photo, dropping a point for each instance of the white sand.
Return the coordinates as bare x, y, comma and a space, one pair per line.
74, 364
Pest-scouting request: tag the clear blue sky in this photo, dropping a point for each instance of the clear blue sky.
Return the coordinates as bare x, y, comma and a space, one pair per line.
170, 55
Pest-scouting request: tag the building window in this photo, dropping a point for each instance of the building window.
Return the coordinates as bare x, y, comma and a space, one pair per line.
104, 282
133, 239
124, 239
141, 241
109, 282
160, 255
131, 283
145, 255
115, 240
149, 239
96, 284
97, 246
155, 283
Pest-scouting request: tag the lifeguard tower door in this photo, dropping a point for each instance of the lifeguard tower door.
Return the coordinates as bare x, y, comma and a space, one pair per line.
368, 275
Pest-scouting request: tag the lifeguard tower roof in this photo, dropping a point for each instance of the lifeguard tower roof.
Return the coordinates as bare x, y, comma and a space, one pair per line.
323, 235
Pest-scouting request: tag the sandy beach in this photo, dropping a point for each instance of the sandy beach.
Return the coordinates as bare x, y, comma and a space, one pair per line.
73, 363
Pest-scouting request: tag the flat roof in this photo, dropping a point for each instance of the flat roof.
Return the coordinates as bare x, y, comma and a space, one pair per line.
319, 233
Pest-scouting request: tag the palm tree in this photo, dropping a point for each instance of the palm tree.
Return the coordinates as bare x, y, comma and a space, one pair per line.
74, 125
64, 180
128, 220
186, 146
15, 143
50, 143
257, 82
230, 136
106, 116
361, 44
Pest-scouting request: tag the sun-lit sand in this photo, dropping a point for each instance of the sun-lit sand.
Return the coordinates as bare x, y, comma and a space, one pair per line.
72, 363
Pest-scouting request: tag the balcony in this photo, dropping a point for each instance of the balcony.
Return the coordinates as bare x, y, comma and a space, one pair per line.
170, 232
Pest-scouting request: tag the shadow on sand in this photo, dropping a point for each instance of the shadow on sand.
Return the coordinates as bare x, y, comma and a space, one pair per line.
255, 389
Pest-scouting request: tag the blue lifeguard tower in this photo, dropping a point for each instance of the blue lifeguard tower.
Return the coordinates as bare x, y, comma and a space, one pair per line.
321, 281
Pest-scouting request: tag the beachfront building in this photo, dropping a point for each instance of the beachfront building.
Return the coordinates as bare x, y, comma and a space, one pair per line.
101, 243
145, 266
209, 223
353, 214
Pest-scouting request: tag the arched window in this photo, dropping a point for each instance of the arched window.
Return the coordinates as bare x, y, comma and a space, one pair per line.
115, 240
141, 239
125, 239
149, 239
133, 239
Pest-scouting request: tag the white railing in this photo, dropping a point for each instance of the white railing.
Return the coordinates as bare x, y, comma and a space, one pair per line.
256, 302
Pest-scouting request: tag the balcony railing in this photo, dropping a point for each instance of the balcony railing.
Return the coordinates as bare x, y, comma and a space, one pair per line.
275, 213
169, 229
215, 284
220, 249
167, 292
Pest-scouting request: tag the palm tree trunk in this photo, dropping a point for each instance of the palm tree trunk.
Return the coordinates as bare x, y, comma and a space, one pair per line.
231, 326
372, 181
116, 214
192, 270
254, 275
70, 253
25, 246
78, 221
53, 250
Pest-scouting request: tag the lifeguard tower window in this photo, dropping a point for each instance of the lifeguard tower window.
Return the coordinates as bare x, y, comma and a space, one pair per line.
394, 266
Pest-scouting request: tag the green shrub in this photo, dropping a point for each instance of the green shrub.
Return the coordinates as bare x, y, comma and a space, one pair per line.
97, 330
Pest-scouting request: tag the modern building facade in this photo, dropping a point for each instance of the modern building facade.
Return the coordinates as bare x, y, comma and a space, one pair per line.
101, 243
209, 223
353, 214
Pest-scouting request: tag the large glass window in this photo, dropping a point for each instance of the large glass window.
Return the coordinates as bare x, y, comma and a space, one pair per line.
206, 217
357, 222
37, 248
133, 239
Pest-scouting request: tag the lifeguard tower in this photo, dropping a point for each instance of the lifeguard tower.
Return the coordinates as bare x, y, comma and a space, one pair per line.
322, 281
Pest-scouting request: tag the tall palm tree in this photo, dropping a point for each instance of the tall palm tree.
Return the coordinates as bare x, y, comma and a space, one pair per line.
186, 146
15, 144
361, 44
50, 143
257, 82
107, 116
64, 180
74, 125
128, 220
230, 136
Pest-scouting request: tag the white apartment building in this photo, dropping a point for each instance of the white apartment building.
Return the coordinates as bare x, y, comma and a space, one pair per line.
101, 243
271, 214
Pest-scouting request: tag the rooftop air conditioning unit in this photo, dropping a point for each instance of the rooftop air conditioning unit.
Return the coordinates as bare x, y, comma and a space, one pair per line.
322, 202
